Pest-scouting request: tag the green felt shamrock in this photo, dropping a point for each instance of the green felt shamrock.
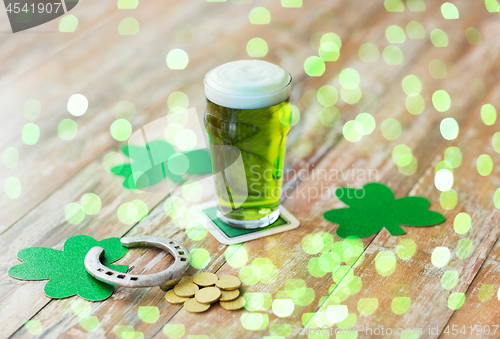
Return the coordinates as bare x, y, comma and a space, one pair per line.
157, 161
66, 269
373, 207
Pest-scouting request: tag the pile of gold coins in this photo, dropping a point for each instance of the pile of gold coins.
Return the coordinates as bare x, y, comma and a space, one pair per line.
199, 292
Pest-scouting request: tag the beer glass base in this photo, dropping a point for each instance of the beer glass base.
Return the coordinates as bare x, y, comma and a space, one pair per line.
250, 224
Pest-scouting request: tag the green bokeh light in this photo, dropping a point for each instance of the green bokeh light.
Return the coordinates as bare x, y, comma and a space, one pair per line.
485, 292
257, 48
68, 23
291, 3
406, 249
314, 66
391, 129
439, 38
74, 213
440, 256
462, 223
174, 331
349, 78
495, 141
351, 96
437, 69
10, 157
329, 51
473, 36
199, 258
456, 300
484, 165
124, 110
120, 129
128, 26
12, 187
488, 114
441, 100
400, 305
177, 59
89, 324
367, 306
385, 263
30, 134
395, 34
127, 4
449, 11
148, 314
369, 52
416, 5
415, 30
394, 5
327, 95
393, 55
32, 109
259, 16
415, 104
77, 104
464, 248
449, 279
351, 131
91, 203
34, 327
448, 200
411, 85
67, 129
492, 5
329, 116
367, 121
453, 156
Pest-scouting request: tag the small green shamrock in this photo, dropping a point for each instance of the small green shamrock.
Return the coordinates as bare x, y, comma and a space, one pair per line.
157, 161
66, 269
373, 207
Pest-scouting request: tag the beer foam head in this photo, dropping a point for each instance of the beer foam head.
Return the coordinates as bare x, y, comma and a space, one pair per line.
247, 84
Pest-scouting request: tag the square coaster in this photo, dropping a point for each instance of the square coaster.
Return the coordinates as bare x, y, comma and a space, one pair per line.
228, 235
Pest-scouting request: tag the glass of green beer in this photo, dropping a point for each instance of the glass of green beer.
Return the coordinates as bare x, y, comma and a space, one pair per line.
248, 110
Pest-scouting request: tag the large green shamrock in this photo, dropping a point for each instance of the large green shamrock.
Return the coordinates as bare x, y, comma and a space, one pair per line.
373, 207
66, 269
157, 161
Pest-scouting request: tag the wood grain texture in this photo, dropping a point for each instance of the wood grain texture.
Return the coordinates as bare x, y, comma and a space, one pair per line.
108, 68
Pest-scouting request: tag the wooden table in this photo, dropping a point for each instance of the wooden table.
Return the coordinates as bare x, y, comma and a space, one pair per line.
108, 68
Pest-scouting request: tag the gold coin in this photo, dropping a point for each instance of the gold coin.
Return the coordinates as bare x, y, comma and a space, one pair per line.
232, 305
205, 279
193, 306
186, 290
173, 298
170, 284
229, 295
228, 283
207, 295
186, 279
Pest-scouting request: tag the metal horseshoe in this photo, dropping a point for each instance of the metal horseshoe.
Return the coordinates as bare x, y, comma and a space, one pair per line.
94, 266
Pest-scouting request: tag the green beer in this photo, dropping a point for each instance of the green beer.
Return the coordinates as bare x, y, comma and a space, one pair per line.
248, 110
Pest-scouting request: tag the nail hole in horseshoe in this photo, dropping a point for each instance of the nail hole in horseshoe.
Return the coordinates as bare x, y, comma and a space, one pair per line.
133, 278
100, 269
121, 276
109, 273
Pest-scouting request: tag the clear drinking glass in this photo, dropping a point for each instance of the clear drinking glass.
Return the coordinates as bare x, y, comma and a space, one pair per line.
248, 110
